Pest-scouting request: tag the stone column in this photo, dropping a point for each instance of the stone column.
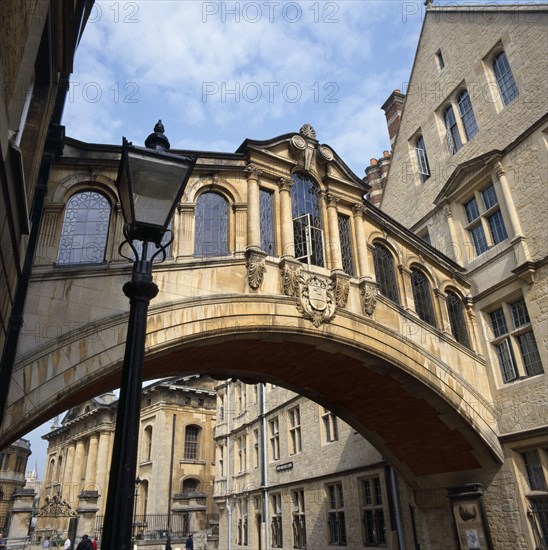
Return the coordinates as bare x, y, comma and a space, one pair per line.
118, 234
21, 513
457, 254
47, 242
67, 477
87, 511
521, 250
364, 268
441, 299
185, 246
103, 463
253, 207
240, 240
286, 217
334, 256
76, 479
472, 325
407, 290
90, 482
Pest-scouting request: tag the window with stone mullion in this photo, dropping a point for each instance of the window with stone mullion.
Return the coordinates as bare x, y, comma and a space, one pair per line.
457, 319
385, 273
346, 245
266, 206
422, 297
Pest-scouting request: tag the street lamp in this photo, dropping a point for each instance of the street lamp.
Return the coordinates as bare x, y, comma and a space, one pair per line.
150, 184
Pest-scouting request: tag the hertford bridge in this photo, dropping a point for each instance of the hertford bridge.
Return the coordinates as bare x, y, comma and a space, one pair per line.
280, 272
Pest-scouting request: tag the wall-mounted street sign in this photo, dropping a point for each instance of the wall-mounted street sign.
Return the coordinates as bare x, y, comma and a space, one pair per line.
284, 467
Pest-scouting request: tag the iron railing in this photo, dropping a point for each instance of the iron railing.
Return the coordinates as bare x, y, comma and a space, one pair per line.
153, 526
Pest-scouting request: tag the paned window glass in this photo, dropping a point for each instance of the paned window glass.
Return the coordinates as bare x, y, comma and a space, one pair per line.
423, 297
276, 525
299, 520
505, 79
385, 273
211, 237
85, 229
335, 515
346, 245
307, 220
422, 159
517, 349
457, 319
374, 528
535, 473
467, 115
191, 443
267, 221
452, 134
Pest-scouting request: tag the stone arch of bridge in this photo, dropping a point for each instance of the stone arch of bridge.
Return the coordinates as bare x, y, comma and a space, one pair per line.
413, 408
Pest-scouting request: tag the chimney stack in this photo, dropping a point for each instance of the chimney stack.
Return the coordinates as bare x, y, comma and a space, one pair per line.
392, 108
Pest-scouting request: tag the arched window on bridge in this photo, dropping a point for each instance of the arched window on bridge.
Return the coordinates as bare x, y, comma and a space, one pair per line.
385, 273
455, 310
59, 470
423, 297
211, 237
85, 229
307, 220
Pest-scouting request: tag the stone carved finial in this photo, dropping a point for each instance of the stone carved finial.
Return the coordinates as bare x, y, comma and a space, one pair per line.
308, 131
285, 184
253, 170
256, 268
159, 127
369, 291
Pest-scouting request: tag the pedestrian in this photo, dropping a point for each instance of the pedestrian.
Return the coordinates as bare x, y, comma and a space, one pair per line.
94, 543
85, 544
46, 543
66, 546
189, 544
168, 544
3, 545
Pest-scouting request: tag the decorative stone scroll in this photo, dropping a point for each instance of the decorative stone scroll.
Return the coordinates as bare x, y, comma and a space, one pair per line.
369, 291
341, 283
315, 295
256, 267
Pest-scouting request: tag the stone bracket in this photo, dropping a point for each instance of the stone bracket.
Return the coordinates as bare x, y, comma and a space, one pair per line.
256, 268
368, 292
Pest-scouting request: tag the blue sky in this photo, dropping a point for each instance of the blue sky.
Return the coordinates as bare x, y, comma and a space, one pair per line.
217, 73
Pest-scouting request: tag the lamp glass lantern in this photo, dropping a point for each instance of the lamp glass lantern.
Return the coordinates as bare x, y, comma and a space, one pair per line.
150, 185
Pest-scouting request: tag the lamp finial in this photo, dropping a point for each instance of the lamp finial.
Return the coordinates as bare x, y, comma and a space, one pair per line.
157, 140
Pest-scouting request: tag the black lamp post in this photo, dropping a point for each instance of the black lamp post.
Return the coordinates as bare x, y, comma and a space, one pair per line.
150, 184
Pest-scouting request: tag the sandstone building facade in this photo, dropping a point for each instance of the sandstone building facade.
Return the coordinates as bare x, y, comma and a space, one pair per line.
290, 474
13, 463
471, 156
174, 480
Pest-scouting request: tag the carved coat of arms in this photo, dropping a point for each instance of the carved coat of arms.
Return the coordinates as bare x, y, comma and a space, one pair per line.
315, 295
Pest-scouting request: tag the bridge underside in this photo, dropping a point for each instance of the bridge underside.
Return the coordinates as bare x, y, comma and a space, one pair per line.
420, 437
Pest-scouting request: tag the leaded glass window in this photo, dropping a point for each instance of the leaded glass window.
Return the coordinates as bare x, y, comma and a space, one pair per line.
457, 319
467, 115
422, 297
85, 229
385, 273
335, 515
307, 220
267, 221
211, 237
346, 245
516, 349
422, 159
505, 79
452, 134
